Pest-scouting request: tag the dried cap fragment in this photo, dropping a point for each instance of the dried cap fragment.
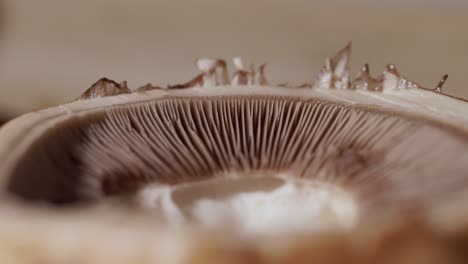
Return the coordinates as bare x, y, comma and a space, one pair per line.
147, 87
365, 81
251, 77
261, 77
214, 72
335, 73
105, 87
392, 80
241, 76
441, 83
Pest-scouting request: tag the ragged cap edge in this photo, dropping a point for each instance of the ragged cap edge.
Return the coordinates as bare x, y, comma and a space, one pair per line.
335, 74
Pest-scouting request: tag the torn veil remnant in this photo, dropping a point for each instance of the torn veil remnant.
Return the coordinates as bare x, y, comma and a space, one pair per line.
254, 158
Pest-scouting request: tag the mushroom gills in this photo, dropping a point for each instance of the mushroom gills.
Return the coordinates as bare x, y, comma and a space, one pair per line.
294, 150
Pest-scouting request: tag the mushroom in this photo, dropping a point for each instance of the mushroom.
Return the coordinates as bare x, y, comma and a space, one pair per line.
337, 171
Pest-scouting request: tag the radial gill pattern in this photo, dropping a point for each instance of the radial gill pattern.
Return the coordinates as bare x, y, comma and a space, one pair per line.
176, 140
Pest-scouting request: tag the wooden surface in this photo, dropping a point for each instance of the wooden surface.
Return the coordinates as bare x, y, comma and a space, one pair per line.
53, 50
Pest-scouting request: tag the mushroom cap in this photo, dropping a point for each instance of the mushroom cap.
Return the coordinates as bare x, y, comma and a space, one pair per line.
398, 147
69, 234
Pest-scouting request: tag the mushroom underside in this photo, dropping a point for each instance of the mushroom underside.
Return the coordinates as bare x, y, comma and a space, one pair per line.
193, 146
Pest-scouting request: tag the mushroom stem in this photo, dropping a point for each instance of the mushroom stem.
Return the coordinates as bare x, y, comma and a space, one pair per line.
254, 204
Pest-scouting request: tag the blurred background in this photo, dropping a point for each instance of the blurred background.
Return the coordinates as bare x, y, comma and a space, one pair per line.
52, 50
